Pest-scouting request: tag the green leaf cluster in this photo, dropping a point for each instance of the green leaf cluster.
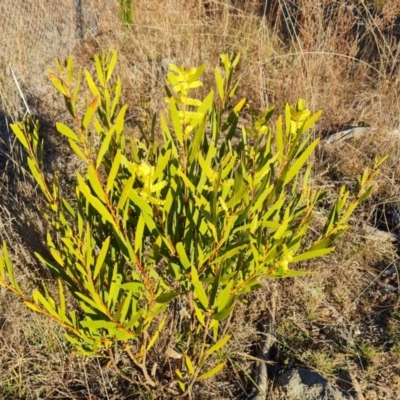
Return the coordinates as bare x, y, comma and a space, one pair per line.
196, 218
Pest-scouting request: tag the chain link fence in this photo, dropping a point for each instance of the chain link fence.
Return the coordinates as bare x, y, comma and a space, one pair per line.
34, 33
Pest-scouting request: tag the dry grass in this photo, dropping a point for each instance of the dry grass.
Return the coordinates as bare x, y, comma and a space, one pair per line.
343, 320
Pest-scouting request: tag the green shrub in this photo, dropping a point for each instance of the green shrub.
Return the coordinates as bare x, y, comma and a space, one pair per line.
193, 219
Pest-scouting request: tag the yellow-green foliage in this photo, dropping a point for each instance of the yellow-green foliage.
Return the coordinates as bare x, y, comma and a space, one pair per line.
202, 214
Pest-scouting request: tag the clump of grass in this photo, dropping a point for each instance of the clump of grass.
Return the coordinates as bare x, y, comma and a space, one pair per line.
325, 363
126, 12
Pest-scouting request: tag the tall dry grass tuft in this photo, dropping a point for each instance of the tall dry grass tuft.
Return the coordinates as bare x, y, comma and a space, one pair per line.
339, 60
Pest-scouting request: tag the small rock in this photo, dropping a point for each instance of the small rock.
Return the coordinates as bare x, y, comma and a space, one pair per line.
303, 384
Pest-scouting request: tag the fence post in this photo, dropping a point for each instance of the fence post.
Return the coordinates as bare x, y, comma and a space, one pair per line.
79, 18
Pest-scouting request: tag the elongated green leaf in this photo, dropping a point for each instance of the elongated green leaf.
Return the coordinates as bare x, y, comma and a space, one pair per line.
111, 66
59, 271
68, 207
106, 98
105, 145
289, 118
198, 138
99, 70
139, 234
199, 315
125, 193
46, 303
260, 201
240, 189
199, 70
124, 308
73, 340
101, 257
212, 371
78, 151
122, 334
176, 122
117, 96
96, 203
5, 259
199, 289
239, 106
284, 225
311, 121
298, 164
260, 174
290, 273
101, 209
168, 136
230, 253
205, 166
220, 83
95, 183
279, 139
114, 291
134, 320
228, 165
38, 177
205, 106
92, 108
186, 181
114, 171
67, 131
20, 135
151, 225
133, 286
189, 365
366, 194
162, 162
144, 206
92, 86
182, 255
201, 294
221, 343
90, 302
181, 384
224, 313
56, 255
223, 296
166, 297
157, 333
312, 254
34, 307
233, 90
57, 83
350, 209
119, 122
99, 324
2, 269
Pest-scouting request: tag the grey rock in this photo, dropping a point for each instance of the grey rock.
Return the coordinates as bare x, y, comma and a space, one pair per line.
303, 384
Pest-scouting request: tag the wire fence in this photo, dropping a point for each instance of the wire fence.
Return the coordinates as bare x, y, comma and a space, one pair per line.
34, 33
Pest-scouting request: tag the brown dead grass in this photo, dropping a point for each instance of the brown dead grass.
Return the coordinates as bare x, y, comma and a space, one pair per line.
342, 320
